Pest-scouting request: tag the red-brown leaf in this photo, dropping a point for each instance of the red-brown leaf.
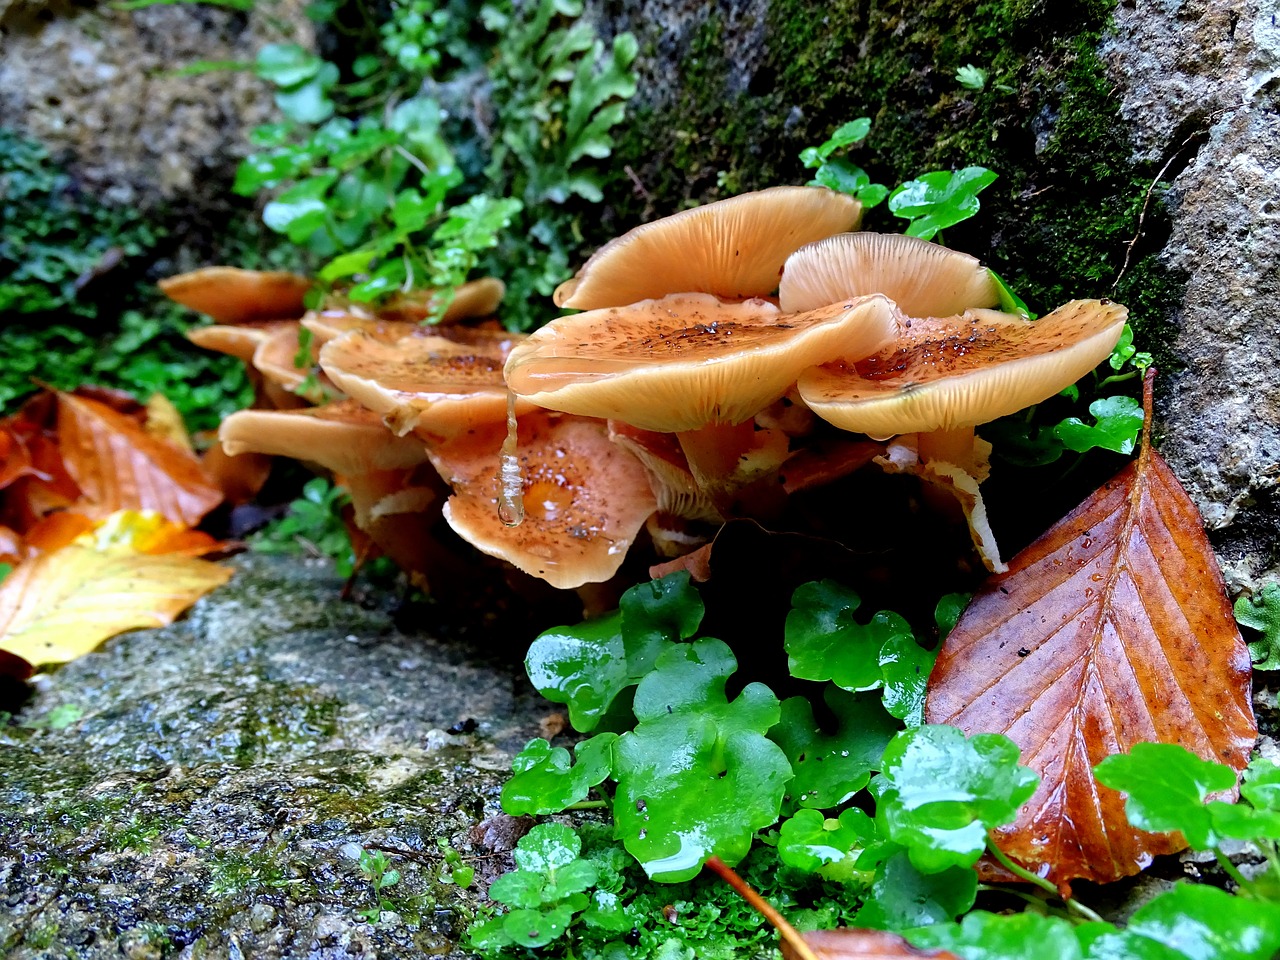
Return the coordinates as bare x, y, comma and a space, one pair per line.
1112, 629
863, 944
118, 465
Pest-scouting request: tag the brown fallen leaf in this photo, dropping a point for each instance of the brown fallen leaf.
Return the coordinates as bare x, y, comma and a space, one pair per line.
1112, 629
118, 465
62, 604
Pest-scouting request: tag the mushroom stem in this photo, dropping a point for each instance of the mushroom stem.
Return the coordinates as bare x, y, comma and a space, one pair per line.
950, 446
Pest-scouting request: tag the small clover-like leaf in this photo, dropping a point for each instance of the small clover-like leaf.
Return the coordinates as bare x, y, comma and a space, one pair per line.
1261, 612
697, 776
1119, 421
518, 888
935, 201
547, 847
583, 666
1261, 786
971, 77
903, 896
1195, 921
543, 781
608, 912
656, 613
906, 667
832, 766
1167, 786
989, 936
824, 642
941, 793
811, 842
537, 928
286, 64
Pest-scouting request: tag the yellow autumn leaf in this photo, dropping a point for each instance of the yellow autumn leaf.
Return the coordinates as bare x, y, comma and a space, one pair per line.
62, 604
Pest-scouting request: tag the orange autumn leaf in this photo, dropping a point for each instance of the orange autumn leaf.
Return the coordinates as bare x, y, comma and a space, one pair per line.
60, 605
118, 465
1112, 629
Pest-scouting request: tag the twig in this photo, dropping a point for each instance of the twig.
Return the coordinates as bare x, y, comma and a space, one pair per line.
788, 933
631, 174
1146, 202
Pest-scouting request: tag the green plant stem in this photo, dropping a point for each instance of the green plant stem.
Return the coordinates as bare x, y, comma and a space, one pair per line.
1232, 871
1024, 874
1118, 378
1030, 898
588, 805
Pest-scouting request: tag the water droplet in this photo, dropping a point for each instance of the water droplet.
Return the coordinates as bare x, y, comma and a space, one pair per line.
1088, 592
643, 834
510, 482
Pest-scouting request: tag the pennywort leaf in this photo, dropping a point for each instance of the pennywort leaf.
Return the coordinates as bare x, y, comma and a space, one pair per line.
935, 201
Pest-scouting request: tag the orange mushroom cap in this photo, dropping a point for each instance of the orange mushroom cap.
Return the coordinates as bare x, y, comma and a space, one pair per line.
585, 498
232, 295
426, 383
923, 279
962, 371
688, 360
732, 248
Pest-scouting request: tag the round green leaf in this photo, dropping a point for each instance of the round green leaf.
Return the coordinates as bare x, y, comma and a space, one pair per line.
547, 847
809, 841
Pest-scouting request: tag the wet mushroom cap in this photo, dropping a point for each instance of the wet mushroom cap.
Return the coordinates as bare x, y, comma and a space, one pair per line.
343, 437
232, 295
924, 279
476, 298
423, 382
239, 341
962, 371
688, 360
732, 248
585, 498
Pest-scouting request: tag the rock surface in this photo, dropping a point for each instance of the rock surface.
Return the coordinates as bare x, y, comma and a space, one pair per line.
219, 778
1199, 84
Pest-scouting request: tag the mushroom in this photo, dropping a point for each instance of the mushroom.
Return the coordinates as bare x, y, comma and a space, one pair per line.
923, 279
477, 298
947, 375
422, 382
688, 360
231, 295
285, 383
585, 498
732, 248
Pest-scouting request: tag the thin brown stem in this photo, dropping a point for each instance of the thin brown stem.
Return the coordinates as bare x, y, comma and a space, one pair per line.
785, 930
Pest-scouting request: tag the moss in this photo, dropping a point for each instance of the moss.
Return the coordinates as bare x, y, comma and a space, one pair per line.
1059, 222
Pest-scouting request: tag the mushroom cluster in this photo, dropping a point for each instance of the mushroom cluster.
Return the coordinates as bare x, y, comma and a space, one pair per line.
715, 347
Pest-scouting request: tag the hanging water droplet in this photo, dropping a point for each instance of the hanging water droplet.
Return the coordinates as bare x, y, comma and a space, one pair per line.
510, 482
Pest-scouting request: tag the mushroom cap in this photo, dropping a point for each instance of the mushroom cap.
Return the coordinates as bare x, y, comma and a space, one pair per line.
732, 248
962, 371
232, 295
585, 498
236, 340
275, 358
670, 477
422, 382
924, 279
476, 298
342, 437
331, 323
688, 360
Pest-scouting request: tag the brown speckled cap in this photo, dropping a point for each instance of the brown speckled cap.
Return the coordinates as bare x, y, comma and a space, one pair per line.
962, 371
688, 360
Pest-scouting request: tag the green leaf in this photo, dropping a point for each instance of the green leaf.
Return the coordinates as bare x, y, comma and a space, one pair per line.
584, 667
1010, 302
608, 912
842, 176
824, 642
1261, 786
831, 768
1261, 612
905, 665
971, 77
935, 201
814, 843
844, 136
940, 793
1119, 421
902, 896
286, 64
309, 103
948, 610
656, 613
1198, 922
697, 776
988, 936
544, 782
537, 928
546, 847
1166, 786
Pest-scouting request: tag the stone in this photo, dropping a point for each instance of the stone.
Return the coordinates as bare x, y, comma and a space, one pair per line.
225, 773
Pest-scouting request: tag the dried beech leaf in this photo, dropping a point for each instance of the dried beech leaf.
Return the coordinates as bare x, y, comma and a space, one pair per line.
62, 604
119, 466
1112, 629
863, 944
